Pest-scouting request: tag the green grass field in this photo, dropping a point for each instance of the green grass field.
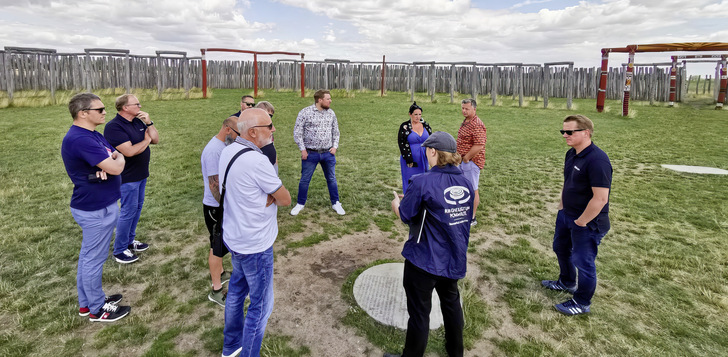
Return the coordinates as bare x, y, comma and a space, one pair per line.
663, 268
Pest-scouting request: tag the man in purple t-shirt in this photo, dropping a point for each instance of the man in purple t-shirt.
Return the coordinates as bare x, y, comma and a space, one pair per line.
93, 166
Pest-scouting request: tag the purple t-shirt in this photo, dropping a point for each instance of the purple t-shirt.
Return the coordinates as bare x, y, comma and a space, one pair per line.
82, 150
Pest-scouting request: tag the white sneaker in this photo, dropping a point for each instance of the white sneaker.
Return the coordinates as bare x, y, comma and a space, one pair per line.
337, 207
296, 210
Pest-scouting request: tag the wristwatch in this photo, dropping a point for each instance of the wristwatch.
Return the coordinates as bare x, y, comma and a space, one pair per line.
150, 123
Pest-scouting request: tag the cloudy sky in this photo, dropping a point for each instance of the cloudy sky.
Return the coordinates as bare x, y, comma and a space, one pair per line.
486, 31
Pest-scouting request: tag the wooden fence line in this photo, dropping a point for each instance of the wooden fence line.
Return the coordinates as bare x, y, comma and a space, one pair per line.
92, 70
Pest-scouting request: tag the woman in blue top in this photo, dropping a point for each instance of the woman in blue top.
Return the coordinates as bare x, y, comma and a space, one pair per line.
412, 134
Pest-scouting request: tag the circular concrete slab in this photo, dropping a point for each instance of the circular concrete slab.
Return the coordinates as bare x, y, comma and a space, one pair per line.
697, 169
378, 290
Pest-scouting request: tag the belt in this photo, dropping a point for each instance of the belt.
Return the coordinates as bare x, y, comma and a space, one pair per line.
320, 151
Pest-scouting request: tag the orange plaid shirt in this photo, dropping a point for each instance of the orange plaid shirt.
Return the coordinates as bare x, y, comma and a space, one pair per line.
472, 133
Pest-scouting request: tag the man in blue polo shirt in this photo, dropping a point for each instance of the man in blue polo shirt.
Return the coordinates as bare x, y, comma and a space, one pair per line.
93, 166
438, 207
131, 132
583, 217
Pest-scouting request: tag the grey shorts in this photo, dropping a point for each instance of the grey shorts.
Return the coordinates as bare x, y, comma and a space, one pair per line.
471, 172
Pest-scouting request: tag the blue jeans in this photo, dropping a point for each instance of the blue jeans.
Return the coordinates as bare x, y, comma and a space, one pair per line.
132, 200
308, 166
97, 227
576, 249
252, 275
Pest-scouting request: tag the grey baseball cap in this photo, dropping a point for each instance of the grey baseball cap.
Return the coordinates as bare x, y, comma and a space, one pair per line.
441, 141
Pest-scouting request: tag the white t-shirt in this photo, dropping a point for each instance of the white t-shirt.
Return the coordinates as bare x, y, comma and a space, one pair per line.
248, 226
210, 160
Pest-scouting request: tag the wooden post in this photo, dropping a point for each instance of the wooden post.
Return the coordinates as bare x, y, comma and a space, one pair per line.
494, 76
384, 73
87, 73
255, 76
52, 70
160, 75
127, 73
204, 74
9, 74
474, 81
412, 80
519, 76
431, 84
546, 85
602, 91
570, 86
452, 83
303, 78
653, 82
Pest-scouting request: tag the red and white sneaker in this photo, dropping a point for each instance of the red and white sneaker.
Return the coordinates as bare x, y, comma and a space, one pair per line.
113, 299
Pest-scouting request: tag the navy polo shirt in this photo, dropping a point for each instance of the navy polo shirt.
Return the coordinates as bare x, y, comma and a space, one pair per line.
438, 207
82, 150
119, 131
589, 168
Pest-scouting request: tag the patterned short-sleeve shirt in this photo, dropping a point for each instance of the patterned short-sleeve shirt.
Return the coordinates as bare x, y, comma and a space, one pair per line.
472, 132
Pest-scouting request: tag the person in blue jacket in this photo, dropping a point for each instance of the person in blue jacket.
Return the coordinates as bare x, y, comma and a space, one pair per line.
438, 207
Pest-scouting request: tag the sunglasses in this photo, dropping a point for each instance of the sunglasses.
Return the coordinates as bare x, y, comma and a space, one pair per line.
231, 128
570, 132
135, 104
100, 110
269, 126
249, 104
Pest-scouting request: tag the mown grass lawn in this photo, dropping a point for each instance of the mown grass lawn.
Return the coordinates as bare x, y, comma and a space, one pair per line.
663, 269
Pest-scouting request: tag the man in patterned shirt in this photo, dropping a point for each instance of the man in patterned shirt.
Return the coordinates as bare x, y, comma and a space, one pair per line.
471, 146
316, 133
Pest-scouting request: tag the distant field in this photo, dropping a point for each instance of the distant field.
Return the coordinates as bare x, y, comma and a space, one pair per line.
663, 269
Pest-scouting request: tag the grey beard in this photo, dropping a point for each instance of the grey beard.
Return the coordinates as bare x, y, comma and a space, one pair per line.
229, 140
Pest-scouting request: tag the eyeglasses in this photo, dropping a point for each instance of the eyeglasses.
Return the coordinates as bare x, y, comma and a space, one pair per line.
269, 126
137, 104
570, 132
249, 104
231, 128
100, 110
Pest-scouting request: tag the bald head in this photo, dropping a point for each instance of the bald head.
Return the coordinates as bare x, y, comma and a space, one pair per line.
253, 126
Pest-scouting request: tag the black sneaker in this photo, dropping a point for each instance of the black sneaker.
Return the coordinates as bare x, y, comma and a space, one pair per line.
110, 313
557, 285
113, 299
138, 246
126, 257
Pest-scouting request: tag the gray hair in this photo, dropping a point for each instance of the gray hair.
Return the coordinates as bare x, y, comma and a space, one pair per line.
265, 105
470, 101
81, 101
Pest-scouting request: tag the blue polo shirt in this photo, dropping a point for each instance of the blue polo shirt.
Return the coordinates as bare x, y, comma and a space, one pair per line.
82, 150
438, 207
589, 168
119, 131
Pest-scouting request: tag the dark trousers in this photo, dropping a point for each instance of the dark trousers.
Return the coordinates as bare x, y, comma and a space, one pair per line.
418, 285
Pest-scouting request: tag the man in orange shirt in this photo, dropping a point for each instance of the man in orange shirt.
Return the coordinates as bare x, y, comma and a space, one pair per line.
471, 146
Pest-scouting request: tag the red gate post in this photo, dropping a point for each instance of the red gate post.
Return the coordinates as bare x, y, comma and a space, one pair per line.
723, 85
628, 83
204, 74
602, 92
673, 81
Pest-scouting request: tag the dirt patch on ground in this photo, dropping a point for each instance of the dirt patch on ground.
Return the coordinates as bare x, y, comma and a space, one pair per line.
308, 303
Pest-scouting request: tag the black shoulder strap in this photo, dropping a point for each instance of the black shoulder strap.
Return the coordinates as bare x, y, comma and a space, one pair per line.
227, 170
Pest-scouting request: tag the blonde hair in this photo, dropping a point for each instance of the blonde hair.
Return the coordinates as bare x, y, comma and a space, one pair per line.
445, 158
582, 122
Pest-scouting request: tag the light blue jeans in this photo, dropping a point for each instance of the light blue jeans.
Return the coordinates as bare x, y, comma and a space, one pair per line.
252, 275
97, 227
132, 200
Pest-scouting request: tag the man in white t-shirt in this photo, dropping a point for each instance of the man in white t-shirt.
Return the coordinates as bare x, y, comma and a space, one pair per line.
211, 204
250, 226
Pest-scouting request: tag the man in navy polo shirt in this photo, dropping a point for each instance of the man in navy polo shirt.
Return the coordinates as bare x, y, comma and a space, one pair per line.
93, 166
583, 217
131, 132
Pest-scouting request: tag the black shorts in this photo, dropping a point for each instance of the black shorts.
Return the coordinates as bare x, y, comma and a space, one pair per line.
212, 219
